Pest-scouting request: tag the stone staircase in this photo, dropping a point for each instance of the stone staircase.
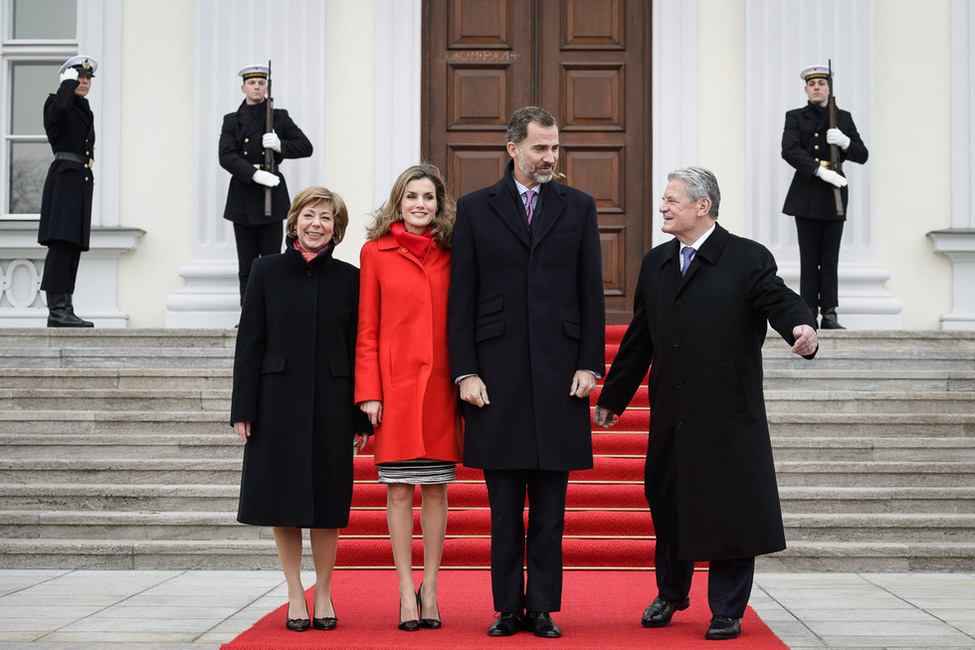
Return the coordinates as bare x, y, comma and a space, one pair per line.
116, 452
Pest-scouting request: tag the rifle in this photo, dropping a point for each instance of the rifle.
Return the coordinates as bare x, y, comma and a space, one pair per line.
268, 153
834, 151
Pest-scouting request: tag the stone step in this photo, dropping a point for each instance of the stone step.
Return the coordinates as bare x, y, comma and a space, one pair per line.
223, 498
870, 557
117, 357
221, 379
876, 474
868, 402
108, 422
873, 528
797, 500
945, 360
118, 378
849, 557
869, 380
117, 338
98, 399
132, 444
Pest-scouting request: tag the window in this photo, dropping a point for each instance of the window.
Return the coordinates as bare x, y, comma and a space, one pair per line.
38, 36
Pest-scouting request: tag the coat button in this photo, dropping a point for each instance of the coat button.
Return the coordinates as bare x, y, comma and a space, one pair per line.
816, 147
680, 426
247, 139
678, 302
815, 135
677, 343
680, 383
245, 153
308, 273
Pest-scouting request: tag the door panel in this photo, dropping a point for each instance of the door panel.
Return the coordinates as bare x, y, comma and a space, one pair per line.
585, 61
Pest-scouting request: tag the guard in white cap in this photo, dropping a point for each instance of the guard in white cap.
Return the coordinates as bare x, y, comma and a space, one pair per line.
65, 225
806, 145
244, 143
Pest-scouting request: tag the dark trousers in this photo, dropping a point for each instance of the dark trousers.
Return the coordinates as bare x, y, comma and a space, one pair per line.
542, 548
729, 581
819, 257
60, 267
253, 242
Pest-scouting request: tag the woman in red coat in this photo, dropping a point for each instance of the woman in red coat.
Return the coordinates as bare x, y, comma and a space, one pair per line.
402, 374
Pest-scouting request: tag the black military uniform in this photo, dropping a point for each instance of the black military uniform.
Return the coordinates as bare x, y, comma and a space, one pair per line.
65, 225
241, 154
811, 201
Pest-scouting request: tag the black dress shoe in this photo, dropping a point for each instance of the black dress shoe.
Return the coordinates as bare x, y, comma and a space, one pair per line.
412, 625
297, 624
427, 622
506, 625
723, 628
659, 612
541, 624
325, 622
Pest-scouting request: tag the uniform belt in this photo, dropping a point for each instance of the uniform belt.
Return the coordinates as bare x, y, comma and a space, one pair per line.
71, 157
825, 163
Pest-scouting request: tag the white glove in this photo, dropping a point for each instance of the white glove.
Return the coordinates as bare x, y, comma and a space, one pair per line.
272, 141
265, 178
831, 177
837, 137
69, 73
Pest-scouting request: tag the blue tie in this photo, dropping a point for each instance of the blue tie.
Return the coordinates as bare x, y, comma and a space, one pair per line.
688, 254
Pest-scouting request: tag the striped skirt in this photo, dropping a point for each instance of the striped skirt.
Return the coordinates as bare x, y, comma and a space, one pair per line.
420, 471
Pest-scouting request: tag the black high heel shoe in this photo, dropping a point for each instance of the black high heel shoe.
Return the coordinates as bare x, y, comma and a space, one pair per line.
297, 624
428, 623
411, 625
325, 622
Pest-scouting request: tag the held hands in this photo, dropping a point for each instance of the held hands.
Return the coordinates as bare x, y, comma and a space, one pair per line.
359, 442
69, 73
243, 429
837, 137
374, 409
603, 417
272, 141
265, 178
806, 340
831, 177
583, 383
473, 391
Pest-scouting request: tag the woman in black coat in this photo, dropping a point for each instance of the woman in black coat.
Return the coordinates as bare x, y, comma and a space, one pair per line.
293, 397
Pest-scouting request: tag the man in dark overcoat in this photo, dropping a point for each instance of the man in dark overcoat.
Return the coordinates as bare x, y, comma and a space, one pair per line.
65, 224
703, 304
806, 141
243, 142
526, 332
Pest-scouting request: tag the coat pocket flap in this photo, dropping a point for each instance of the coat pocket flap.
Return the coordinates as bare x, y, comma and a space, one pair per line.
490, 306
489, 330
572, 330
273, 364
340, 368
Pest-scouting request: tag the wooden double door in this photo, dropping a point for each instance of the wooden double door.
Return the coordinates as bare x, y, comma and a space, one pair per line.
585, 61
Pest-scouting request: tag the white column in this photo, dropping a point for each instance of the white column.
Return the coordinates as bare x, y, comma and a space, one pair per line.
958, 242
674, 62
780, 39
229, 35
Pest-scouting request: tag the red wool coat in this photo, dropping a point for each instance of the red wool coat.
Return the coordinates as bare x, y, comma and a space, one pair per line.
401, 352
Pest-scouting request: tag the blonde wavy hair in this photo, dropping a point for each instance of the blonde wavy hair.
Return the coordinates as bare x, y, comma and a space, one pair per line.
316, 194
443, 222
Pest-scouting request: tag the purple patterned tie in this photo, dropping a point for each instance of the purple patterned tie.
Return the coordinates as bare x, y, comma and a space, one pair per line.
529, 194
688, 254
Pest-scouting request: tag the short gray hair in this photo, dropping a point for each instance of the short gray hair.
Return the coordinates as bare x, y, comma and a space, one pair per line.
520, 119
699, 183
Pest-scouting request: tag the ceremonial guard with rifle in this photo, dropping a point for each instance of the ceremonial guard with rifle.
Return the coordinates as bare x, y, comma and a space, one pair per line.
816, 140
253, 142
65, 224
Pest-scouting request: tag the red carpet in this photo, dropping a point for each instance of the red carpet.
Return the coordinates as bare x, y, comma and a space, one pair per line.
600, 611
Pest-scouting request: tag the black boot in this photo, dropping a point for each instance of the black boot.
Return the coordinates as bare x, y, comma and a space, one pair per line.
61, 313
829, 320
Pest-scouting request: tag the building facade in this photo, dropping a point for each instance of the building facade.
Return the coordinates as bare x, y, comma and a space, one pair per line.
350, 72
